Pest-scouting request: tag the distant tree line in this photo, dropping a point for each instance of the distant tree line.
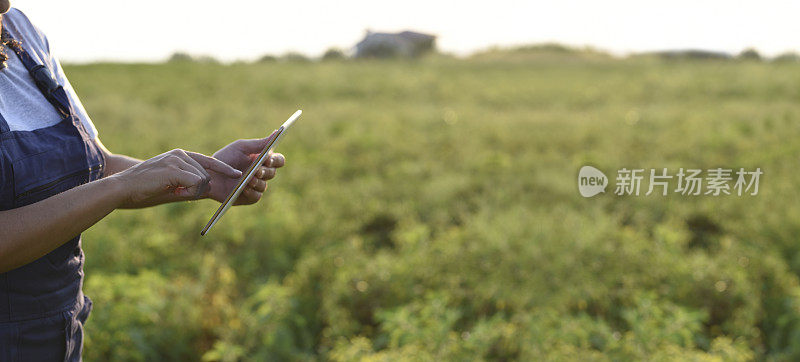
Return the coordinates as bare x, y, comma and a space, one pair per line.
749, 54
337, 54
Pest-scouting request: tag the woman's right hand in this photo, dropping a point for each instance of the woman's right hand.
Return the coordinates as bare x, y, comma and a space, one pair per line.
176, 175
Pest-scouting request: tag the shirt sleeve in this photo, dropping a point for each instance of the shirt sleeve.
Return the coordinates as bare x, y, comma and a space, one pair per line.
76, 102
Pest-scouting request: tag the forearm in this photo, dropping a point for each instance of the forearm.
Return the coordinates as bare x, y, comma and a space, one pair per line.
32, 231
28, 233
117, 163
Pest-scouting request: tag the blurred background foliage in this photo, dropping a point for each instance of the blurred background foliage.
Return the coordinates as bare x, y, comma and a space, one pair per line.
429, 211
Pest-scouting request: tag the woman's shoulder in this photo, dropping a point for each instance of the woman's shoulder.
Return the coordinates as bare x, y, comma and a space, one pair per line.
25, 30
18, 18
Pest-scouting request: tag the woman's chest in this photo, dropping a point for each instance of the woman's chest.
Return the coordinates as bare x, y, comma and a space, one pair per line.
22, 105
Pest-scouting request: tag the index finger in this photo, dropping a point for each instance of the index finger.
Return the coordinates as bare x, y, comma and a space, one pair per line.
214, 164
275, 160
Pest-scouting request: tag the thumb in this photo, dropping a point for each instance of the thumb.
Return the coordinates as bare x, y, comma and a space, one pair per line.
254, 145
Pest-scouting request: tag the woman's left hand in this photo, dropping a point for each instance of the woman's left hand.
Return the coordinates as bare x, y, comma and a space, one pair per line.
239, 155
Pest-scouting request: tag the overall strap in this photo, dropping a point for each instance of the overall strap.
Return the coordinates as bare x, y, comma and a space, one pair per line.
3, 125
42, 76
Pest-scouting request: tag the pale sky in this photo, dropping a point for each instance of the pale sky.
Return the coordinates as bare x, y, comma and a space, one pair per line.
150, 30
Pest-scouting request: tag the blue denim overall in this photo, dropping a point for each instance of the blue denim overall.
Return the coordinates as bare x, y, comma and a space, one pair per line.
42, 306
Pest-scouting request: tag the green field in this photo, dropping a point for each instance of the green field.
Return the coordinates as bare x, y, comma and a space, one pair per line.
429, 211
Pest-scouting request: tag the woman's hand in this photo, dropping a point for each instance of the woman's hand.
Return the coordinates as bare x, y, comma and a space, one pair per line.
176, 175
240, 154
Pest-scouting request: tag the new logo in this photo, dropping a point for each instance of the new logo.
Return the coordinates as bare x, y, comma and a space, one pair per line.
591, 181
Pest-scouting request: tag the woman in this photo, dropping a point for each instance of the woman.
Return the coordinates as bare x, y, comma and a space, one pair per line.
57, 179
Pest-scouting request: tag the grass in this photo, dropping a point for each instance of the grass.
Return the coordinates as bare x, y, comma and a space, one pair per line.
429, 210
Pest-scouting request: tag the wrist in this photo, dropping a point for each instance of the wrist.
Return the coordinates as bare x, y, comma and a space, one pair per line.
117, 189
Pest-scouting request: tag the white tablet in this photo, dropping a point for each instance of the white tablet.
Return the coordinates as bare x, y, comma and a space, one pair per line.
251, 171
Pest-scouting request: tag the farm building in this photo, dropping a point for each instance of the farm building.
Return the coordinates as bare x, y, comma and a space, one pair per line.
407, 44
